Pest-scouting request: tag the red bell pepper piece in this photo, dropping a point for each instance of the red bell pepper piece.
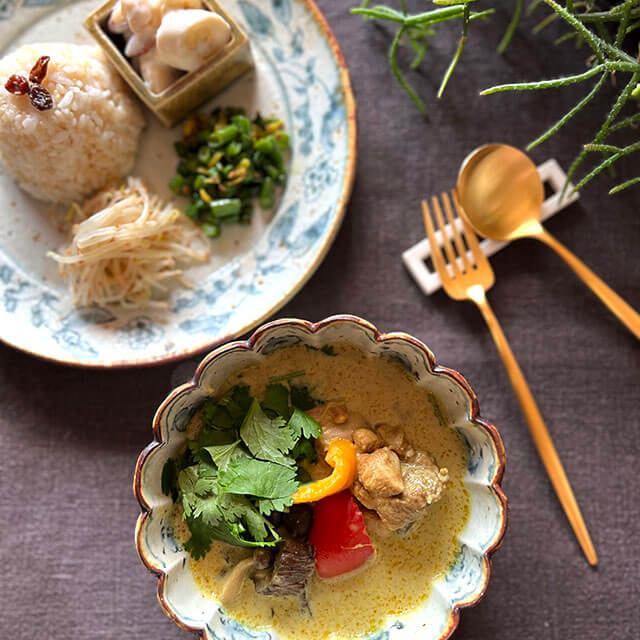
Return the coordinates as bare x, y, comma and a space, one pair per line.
339, 536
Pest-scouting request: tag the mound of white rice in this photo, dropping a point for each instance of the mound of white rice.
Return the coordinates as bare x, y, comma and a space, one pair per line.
87, 139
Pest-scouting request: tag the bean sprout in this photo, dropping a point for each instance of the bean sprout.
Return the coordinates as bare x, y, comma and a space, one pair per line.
129, 248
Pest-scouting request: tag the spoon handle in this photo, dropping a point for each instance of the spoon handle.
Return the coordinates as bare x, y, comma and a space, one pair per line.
624, 312
539, 432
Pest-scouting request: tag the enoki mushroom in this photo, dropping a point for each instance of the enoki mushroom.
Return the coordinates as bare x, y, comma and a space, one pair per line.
128, 248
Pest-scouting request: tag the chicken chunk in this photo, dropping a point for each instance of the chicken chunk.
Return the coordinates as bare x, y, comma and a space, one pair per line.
366, 440
394, 479
424, 484
380, 473
395, 439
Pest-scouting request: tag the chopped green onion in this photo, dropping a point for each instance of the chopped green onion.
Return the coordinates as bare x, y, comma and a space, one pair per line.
211, 230
225, 208
191, 211
204, 154
176, 184
242, 122
267, 194
265, 145
283, 140
225, 162
233, 149
222, 136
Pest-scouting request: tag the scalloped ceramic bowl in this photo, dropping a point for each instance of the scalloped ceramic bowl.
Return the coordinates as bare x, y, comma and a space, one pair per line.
462, 585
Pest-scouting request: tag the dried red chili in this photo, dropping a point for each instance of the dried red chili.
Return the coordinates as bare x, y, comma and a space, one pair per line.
39, 70
17, 85
40, 98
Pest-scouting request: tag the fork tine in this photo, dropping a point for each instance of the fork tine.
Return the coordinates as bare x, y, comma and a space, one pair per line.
446, 241
436, 254
469, 234
462, 251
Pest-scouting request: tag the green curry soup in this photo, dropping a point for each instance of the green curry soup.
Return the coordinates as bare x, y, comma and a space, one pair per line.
399, 577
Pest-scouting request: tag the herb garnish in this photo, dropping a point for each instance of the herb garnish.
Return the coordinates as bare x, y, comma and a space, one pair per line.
227, 161
241, 466
609, 34
417, 28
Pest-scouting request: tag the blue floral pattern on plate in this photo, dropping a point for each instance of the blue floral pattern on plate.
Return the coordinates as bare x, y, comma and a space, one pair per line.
296, 60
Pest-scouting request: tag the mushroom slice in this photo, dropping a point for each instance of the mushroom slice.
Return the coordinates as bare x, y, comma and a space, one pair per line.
236, 577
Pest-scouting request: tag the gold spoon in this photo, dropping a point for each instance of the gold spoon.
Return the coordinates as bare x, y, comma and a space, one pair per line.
501, 196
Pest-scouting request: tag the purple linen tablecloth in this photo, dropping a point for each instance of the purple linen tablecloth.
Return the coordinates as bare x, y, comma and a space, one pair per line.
69, 438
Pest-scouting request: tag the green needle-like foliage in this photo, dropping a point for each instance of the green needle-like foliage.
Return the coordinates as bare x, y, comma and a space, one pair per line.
417, 28
511, 29
605, 32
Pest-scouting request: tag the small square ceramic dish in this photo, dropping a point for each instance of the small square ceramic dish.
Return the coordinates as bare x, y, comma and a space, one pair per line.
192, 88
460, 585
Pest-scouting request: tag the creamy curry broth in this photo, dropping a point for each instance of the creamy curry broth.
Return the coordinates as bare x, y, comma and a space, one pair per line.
399, 578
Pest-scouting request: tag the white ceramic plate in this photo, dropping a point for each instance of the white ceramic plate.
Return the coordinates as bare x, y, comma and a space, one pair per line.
300, 76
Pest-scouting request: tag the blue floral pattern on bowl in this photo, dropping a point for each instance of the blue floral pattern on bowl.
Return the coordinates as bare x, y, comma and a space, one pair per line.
301, 74
464, 582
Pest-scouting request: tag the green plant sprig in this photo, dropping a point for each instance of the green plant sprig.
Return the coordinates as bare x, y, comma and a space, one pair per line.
417, 28
511, 29
610, 58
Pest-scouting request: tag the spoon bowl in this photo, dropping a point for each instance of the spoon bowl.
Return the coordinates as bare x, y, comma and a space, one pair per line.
501, 196
500, 192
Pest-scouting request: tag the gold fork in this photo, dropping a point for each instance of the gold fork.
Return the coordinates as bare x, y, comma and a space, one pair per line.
472, 281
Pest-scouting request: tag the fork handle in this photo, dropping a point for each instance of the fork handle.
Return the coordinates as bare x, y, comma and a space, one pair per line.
624, 312
541, 437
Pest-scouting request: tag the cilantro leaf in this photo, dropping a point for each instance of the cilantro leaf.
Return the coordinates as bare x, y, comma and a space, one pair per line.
212, 437
216, 416
202, 534
267, 505
301, 397
169, 479
170, 471
242, 517
257, 525
245, 475
328, 349
187, 480
267, 439
228, 518
302, 424
276, 398
303, 476
242, 466
209, 509
221, 454
237, 402
304, 449
200, 541
207, 481
232, 534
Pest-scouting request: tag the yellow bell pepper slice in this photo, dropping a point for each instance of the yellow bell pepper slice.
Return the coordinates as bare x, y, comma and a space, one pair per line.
342, 457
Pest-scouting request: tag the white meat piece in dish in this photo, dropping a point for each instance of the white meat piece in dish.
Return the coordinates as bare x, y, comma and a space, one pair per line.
379, 472
394, 479
424, 484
